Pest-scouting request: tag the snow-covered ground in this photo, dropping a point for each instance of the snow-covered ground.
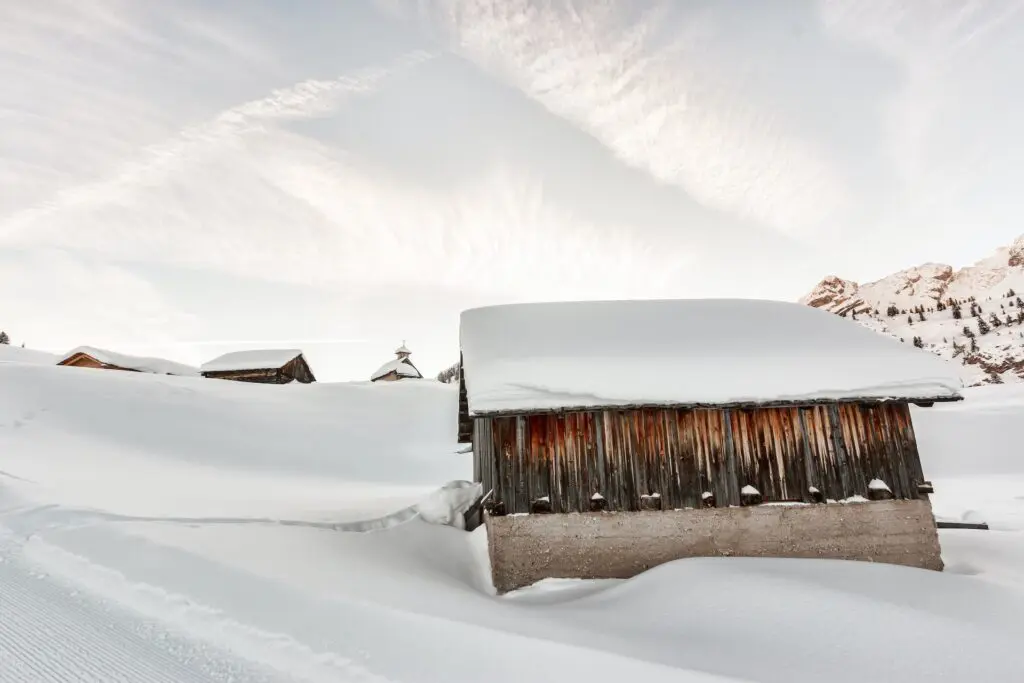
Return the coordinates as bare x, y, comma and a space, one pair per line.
180, 529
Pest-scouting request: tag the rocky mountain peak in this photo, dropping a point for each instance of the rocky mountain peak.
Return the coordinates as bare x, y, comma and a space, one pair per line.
972, 316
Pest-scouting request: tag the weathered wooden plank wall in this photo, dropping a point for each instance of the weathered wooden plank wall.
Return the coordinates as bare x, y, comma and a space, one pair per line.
256, 376
465, 422
674, 456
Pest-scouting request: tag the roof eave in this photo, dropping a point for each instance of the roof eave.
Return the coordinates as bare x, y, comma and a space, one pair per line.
711, 406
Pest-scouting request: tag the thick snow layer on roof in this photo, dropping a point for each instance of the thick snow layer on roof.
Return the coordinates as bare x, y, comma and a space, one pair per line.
524, 357
256, 359
156, 366
400, 365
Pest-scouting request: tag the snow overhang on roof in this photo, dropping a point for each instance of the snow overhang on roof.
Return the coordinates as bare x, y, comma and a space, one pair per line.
402, 366
257, 359
156, 366
702, 352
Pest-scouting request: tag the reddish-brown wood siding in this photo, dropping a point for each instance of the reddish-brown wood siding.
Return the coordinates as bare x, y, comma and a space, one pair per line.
680, 454
83, 360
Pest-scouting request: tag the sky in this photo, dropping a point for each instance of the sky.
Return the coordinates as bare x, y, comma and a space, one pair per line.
189, 178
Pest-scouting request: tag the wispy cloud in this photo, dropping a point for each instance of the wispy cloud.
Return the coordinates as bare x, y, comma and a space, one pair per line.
56, 300
306, 99
659, 104
271, 343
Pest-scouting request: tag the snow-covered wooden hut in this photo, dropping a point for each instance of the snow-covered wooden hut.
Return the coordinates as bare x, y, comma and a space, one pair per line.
102, 359
266, 366
709, 411
400, 367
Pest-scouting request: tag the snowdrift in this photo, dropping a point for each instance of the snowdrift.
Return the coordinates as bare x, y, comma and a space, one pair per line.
17, 354
198, 447
147, 510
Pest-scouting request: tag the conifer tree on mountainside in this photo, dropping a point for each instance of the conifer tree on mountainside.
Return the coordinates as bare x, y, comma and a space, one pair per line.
962, 326
4, 339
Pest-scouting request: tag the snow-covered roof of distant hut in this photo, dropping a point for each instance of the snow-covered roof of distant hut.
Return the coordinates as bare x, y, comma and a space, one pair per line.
156, 366
402, 366
552, 356
256, 359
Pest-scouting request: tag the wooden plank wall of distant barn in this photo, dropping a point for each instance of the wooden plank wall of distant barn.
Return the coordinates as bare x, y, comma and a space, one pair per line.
679, 454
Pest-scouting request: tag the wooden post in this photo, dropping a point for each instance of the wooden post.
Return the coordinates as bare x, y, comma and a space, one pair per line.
650, 502
541, 506
879, 490
750, 496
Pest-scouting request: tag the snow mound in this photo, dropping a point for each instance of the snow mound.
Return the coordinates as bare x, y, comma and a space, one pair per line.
155, 366
526, 357
215, 513
17, 354
198, 448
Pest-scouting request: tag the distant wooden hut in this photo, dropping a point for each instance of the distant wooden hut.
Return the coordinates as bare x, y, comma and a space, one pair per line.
703, 410
398, 369
102, 359
268, 366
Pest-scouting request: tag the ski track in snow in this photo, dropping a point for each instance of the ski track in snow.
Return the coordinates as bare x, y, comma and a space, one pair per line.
52, 632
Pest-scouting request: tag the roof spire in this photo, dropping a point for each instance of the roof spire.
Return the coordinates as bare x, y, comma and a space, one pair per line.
402, 352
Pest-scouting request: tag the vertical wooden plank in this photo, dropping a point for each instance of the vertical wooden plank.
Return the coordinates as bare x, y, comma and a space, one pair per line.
611, 455
810, 470
728, 451
520, 462
478, 474
629, 461
673, 499
576, 457
602, 464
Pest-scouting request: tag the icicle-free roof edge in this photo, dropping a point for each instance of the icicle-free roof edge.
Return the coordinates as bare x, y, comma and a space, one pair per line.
522, 358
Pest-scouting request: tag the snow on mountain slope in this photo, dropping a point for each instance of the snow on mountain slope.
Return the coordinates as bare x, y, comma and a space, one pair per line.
17, 354
178, 529
919, 306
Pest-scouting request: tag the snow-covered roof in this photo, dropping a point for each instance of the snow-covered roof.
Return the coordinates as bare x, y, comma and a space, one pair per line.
156, 366
256, 359
550, 356
403, 366
402, 349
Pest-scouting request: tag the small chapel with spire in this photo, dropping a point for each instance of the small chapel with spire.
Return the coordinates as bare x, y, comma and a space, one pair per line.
400, 367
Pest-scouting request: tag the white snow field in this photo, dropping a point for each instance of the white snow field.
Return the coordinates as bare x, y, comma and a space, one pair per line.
159, 528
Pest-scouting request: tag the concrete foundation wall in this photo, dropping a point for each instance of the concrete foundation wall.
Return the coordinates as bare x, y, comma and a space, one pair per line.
527, 548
